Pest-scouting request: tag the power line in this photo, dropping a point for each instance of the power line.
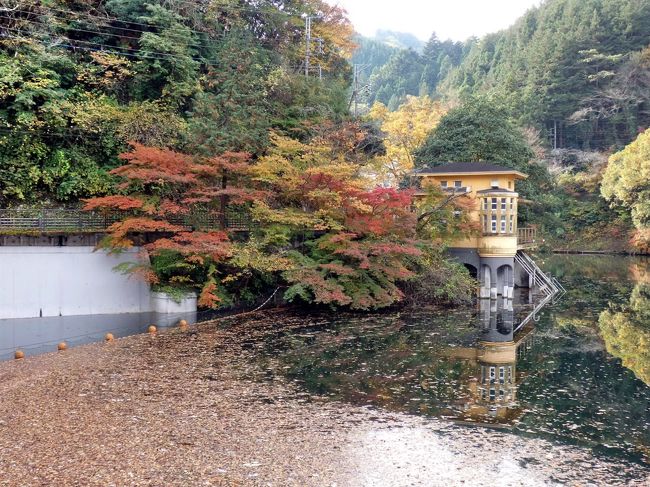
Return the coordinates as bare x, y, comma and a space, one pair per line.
157, 55
103, 33
101, 19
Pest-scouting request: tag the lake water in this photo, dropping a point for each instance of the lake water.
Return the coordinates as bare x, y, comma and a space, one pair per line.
577, 375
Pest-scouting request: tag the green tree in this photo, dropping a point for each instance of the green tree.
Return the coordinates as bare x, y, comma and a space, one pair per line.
627, 181
478, 130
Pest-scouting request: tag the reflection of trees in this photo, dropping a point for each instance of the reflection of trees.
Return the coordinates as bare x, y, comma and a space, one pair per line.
627, 332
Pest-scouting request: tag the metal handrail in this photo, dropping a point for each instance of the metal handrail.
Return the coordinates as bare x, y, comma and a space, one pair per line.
50, 220
526, 235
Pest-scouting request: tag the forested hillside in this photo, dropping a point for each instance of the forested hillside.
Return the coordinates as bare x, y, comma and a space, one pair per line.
579, 70
79, 80
575, 66
406, 72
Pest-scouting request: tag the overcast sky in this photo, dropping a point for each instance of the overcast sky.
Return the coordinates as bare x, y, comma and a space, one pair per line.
455, 19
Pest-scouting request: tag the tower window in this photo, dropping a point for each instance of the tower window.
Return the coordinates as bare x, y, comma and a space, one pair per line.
504, 204
503, 224
485, 204
509, 184
512, 204
485, 223
512, 224
458, 184
494, 203
494, 224
443, 184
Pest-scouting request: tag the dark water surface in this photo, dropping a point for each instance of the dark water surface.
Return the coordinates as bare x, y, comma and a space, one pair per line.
575, 374
35, 336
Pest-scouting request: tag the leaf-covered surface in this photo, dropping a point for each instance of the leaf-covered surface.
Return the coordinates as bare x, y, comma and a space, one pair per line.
193, 408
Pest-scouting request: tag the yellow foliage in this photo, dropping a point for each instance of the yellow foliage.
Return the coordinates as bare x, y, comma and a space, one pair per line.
627, 180
406, 130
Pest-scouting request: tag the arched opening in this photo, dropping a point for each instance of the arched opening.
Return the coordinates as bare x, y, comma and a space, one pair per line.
505, 281
473, 271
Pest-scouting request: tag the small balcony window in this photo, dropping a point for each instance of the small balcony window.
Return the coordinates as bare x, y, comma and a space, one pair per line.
509, 184
495, 183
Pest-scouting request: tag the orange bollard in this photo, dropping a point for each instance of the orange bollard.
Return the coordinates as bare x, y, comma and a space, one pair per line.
109, 337
62, 346
152, 329
19, 354
183, 325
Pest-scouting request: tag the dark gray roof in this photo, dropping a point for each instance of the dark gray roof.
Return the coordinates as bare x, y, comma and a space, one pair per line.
495, 190
464, 167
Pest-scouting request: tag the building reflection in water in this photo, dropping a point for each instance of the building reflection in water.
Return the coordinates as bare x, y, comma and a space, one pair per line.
491, 389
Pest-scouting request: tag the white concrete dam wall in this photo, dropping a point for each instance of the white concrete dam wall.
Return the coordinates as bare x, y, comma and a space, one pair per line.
66, 281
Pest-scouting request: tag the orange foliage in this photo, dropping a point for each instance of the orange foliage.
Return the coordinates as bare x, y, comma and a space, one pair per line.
113, 203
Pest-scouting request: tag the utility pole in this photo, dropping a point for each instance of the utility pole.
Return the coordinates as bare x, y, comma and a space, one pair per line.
308, 48
355, 88
307, 44
552, 135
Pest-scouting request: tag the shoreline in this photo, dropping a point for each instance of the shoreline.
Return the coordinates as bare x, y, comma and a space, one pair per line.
598, 252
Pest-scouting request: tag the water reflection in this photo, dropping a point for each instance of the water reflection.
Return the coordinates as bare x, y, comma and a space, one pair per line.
41, 335
625, 328
492, 381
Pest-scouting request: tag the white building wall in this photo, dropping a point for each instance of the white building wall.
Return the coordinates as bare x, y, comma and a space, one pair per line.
65, 281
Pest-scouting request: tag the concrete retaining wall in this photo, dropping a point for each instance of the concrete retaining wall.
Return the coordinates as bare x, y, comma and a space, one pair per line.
65, 281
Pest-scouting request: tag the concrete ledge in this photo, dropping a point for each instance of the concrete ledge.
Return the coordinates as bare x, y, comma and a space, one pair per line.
163, 303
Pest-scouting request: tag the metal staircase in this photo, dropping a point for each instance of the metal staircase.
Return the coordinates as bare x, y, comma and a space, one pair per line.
545, 283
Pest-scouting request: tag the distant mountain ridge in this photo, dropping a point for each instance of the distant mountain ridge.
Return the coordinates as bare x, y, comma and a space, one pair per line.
399, 40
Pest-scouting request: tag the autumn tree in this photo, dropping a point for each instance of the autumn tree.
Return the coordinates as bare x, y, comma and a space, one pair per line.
405, 129
179, 199
627, 182
352, 245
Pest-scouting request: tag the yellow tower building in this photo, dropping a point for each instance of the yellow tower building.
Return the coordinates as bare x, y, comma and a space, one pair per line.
489, 254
